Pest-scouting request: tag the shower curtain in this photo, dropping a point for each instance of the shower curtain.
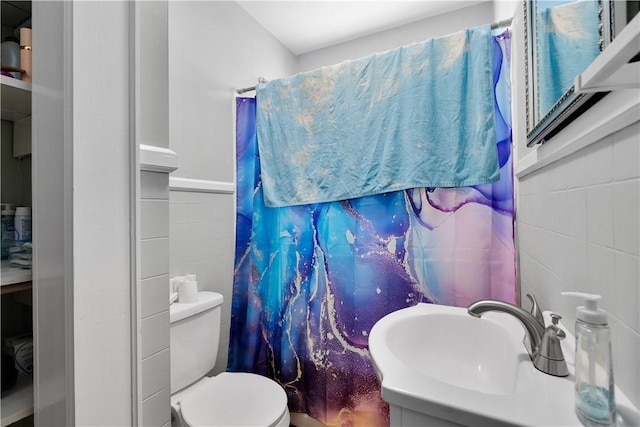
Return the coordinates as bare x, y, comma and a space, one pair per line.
310, 281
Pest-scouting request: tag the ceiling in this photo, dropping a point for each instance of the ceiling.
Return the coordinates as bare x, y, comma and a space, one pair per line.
307, 25
304, 26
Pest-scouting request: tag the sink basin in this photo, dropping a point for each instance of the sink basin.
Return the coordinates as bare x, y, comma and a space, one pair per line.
440, 366
472, 352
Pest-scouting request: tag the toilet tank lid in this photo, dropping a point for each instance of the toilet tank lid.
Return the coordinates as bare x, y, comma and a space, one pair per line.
206, 301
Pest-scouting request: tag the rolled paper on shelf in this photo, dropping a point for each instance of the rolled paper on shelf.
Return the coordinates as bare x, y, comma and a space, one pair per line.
25, 53
187, 292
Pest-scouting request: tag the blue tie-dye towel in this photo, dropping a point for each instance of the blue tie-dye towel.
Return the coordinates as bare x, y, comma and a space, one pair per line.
417, 116
568, 41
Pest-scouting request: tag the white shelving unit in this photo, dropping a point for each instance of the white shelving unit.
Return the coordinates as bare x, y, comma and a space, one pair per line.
17, 403
13, 276
16, 98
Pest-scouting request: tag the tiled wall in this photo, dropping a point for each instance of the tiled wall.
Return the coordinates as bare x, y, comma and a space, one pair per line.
202, 242
578, 229
154, 267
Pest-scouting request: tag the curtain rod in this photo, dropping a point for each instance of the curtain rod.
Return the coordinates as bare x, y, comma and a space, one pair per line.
494, 26
501, 24
249, 89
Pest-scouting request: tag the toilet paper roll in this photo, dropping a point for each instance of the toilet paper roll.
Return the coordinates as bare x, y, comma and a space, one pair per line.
187, 292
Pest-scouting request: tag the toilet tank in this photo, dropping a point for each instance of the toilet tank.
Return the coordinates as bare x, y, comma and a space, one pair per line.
194, 338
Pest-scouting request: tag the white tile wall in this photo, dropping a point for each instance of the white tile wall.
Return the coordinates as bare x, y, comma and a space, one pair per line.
626, 211
578, 225
155, 373
156, 410
202, 242
155, 334
156, 215
154, 257
154, 185
154, 304
155, 293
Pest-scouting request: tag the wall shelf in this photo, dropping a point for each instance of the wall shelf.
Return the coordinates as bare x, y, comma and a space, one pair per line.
17, 403
612, 70
16, 98
10, 277
612, 113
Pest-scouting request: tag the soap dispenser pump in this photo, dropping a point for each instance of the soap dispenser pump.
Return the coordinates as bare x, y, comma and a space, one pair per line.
594, 387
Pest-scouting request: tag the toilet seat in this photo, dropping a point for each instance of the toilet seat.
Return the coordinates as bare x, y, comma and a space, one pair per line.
235, 399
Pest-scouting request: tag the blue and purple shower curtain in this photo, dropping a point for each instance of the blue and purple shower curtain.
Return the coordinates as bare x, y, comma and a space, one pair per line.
310, 281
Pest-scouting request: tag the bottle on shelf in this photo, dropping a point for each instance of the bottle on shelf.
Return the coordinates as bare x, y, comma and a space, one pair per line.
22, 224
7, 230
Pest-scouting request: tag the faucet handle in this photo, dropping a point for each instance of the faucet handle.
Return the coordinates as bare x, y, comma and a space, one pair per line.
535, 310
549, 358
554, 326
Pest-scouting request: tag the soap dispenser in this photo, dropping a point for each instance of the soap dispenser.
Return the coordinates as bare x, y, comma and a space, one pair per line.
594, 388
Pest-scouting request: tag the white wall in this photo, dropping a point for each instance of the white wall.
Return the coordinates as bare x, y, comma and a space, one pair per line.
424, 29
214, 49
504, 9
102, 177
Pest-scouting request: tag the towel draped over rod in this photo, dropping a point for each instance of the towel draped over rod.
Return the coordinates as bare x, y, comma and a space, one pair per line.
500, 24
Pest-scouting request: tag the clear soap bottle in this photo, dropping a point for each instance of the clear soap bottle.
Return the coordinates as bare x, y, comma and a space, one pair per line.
594, 387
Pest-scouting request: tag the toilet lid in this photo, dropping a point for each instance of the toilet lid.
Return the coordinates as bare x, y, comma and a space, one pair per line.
235, 399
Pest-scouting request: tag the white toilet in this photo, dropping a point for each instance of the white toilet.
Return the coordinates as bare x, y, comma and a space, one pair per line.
228, 399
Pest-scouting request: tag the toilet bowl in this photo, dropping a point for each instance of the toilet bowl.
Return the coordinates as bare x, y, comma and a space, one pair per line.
231, 399
228, 399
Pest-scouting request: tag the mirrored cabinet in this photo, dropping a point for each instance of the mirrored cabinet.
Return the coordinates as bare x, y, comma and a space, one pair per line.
563, 38
15, 196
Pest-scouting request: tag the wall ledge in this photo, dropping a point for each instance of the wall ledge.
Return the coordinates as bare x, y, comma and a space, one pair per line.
612, 113
157, 159
201, 186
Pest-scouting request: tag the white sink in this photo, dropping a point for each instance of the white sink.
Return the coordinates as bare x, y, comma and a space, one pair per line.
441, 364
472, 352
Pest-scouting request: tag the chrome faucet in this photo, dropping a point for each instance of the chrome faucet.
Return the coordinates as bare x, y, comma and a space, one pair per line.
543, 344
535, 310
